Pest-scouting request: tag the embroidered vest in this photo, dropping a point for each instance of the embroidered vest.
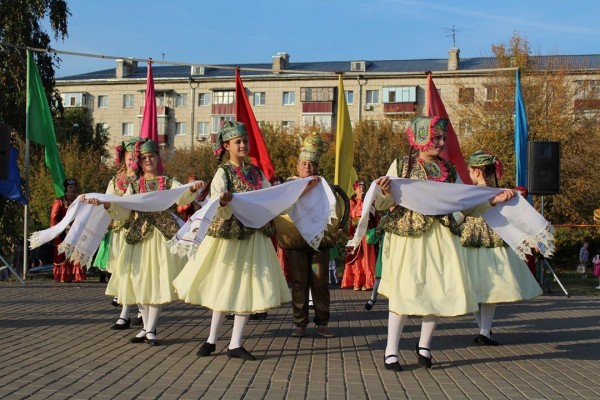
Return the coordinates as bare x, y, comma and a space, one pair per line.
143, 223
404, 222
232, 228
120, 184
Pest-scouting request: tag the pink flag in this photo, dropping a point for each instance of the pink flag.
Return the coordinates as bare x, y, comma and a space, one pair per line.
149, 120
452, 152
259, 156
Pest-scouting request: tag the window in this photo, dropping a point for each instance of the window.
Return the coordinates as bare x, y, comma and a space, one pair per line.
320, 120
466, 95
260, 98
287, 126
491, 93
180, 100
401, 94
102, 101
289, 98
127, 129
316, 94
127, 101
77, 100
204, 99
588, 90
464, 128
349, 96
217, 121
224, 97
372, 96
202, 130
180, 128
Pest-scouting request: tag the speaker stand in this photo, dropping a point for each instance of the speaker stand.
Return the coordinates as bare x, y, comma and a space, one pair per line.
544, 263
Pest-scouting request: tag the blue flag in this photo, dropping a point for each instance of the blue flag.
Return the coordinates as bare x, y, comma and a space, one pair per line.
520, 136
11, 187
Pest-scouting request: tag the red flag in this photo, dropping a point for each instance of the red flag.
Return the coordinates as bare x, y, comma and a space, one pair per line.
149, 127
259, 155
452, 152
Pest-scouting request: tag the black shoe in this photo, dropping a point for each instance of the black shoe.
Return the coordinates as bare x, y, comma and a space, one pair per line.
206, 349
114, 302
423, 361
229, 317
482, 340
395, 366
137, 320
151, 342
138, 339
120, 327
240, 352
369, 305
258, 315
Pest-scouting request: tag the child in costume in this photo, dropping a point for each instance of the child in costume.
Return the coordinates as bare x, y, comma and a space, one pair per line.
146, 266
423, 272
115, 238
235, 268
497, 274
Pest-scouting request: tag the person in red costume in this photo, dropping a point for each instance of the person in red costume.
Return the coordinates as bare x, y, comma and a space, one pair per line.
65, 271
359, 271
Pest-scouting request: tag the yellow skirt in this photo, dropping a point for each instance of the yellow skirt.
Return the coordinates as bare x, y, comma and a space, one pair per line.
234, 275
425, 275
145, 271
498, 275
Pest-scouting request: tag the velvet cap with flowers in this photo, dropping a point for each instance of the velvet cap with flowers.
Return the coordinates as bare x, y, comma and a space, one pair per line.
229, 130
421, 131
127, 146
313, 148
481, 159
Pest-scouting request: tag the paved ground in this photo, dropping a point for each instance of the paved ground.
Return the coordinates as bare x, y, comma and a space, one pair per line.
55, 343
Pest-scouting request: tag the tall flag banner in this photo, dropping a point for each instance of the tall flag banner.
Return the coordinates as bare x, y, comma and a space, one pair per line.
11, 188
259, 156
40, 127
345, 174
452, 152
520, 135
149, 127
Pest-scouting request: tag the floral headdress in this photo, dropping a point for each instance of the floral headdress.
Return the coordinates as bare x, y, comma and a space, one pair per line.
313, 148
481, 159
357, 184
421, 131
125, 147
229, 130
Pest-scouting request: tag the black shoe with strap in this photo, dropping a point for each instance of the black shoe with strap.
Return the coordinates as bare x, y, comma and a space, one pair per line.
395, 366
206, 349
240, 352
423, 361
119, 327
152, 342
137, 338
482, 340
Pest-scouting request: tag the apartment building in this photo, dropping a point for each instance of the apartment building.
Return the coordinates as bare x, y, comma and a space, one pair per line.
193, 101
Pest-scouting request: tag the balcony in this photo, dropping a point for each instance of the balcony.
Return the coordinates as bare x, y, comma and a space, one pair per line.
161, 111
399, 108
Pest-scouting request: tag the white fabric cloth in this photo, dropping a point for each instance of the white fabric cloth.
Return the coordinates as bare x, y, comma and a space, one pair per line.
89, 223
515, 221
311, 213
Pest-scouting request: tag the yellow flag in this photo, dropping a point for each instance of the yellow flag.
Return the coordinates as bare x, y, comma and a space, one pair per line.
345, 175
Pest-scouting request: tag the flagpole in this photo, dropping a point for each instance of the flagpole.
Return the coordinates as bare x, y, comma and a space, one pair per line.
26, 208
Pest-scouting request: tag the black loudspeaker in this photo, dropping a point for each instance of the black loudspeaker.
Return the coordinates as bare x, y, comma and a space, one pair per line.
543, 166
4, 150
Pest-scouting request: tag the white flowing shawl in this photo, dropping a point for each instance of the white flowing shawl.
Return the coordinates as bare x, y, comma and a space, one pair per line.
515, 221
311, 213
89, 223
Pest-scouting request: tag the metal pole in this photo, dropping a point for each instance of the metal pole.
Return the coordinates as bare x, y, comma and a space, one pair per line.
192, 113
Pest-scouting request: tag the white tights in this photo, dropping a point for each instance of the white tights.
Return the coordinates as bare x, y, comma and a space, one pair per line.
396, 325
484, 318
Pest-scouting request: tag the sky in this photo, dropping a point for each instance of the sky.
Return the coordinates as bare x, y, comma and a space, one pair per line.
252, 31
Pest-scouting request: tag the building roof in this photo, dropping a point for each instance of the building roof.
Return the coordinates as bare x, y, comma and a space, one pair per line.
578, 62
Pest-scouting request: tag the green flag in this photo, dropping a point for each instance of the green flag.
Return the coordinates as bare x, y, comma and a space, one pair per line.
40, 127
